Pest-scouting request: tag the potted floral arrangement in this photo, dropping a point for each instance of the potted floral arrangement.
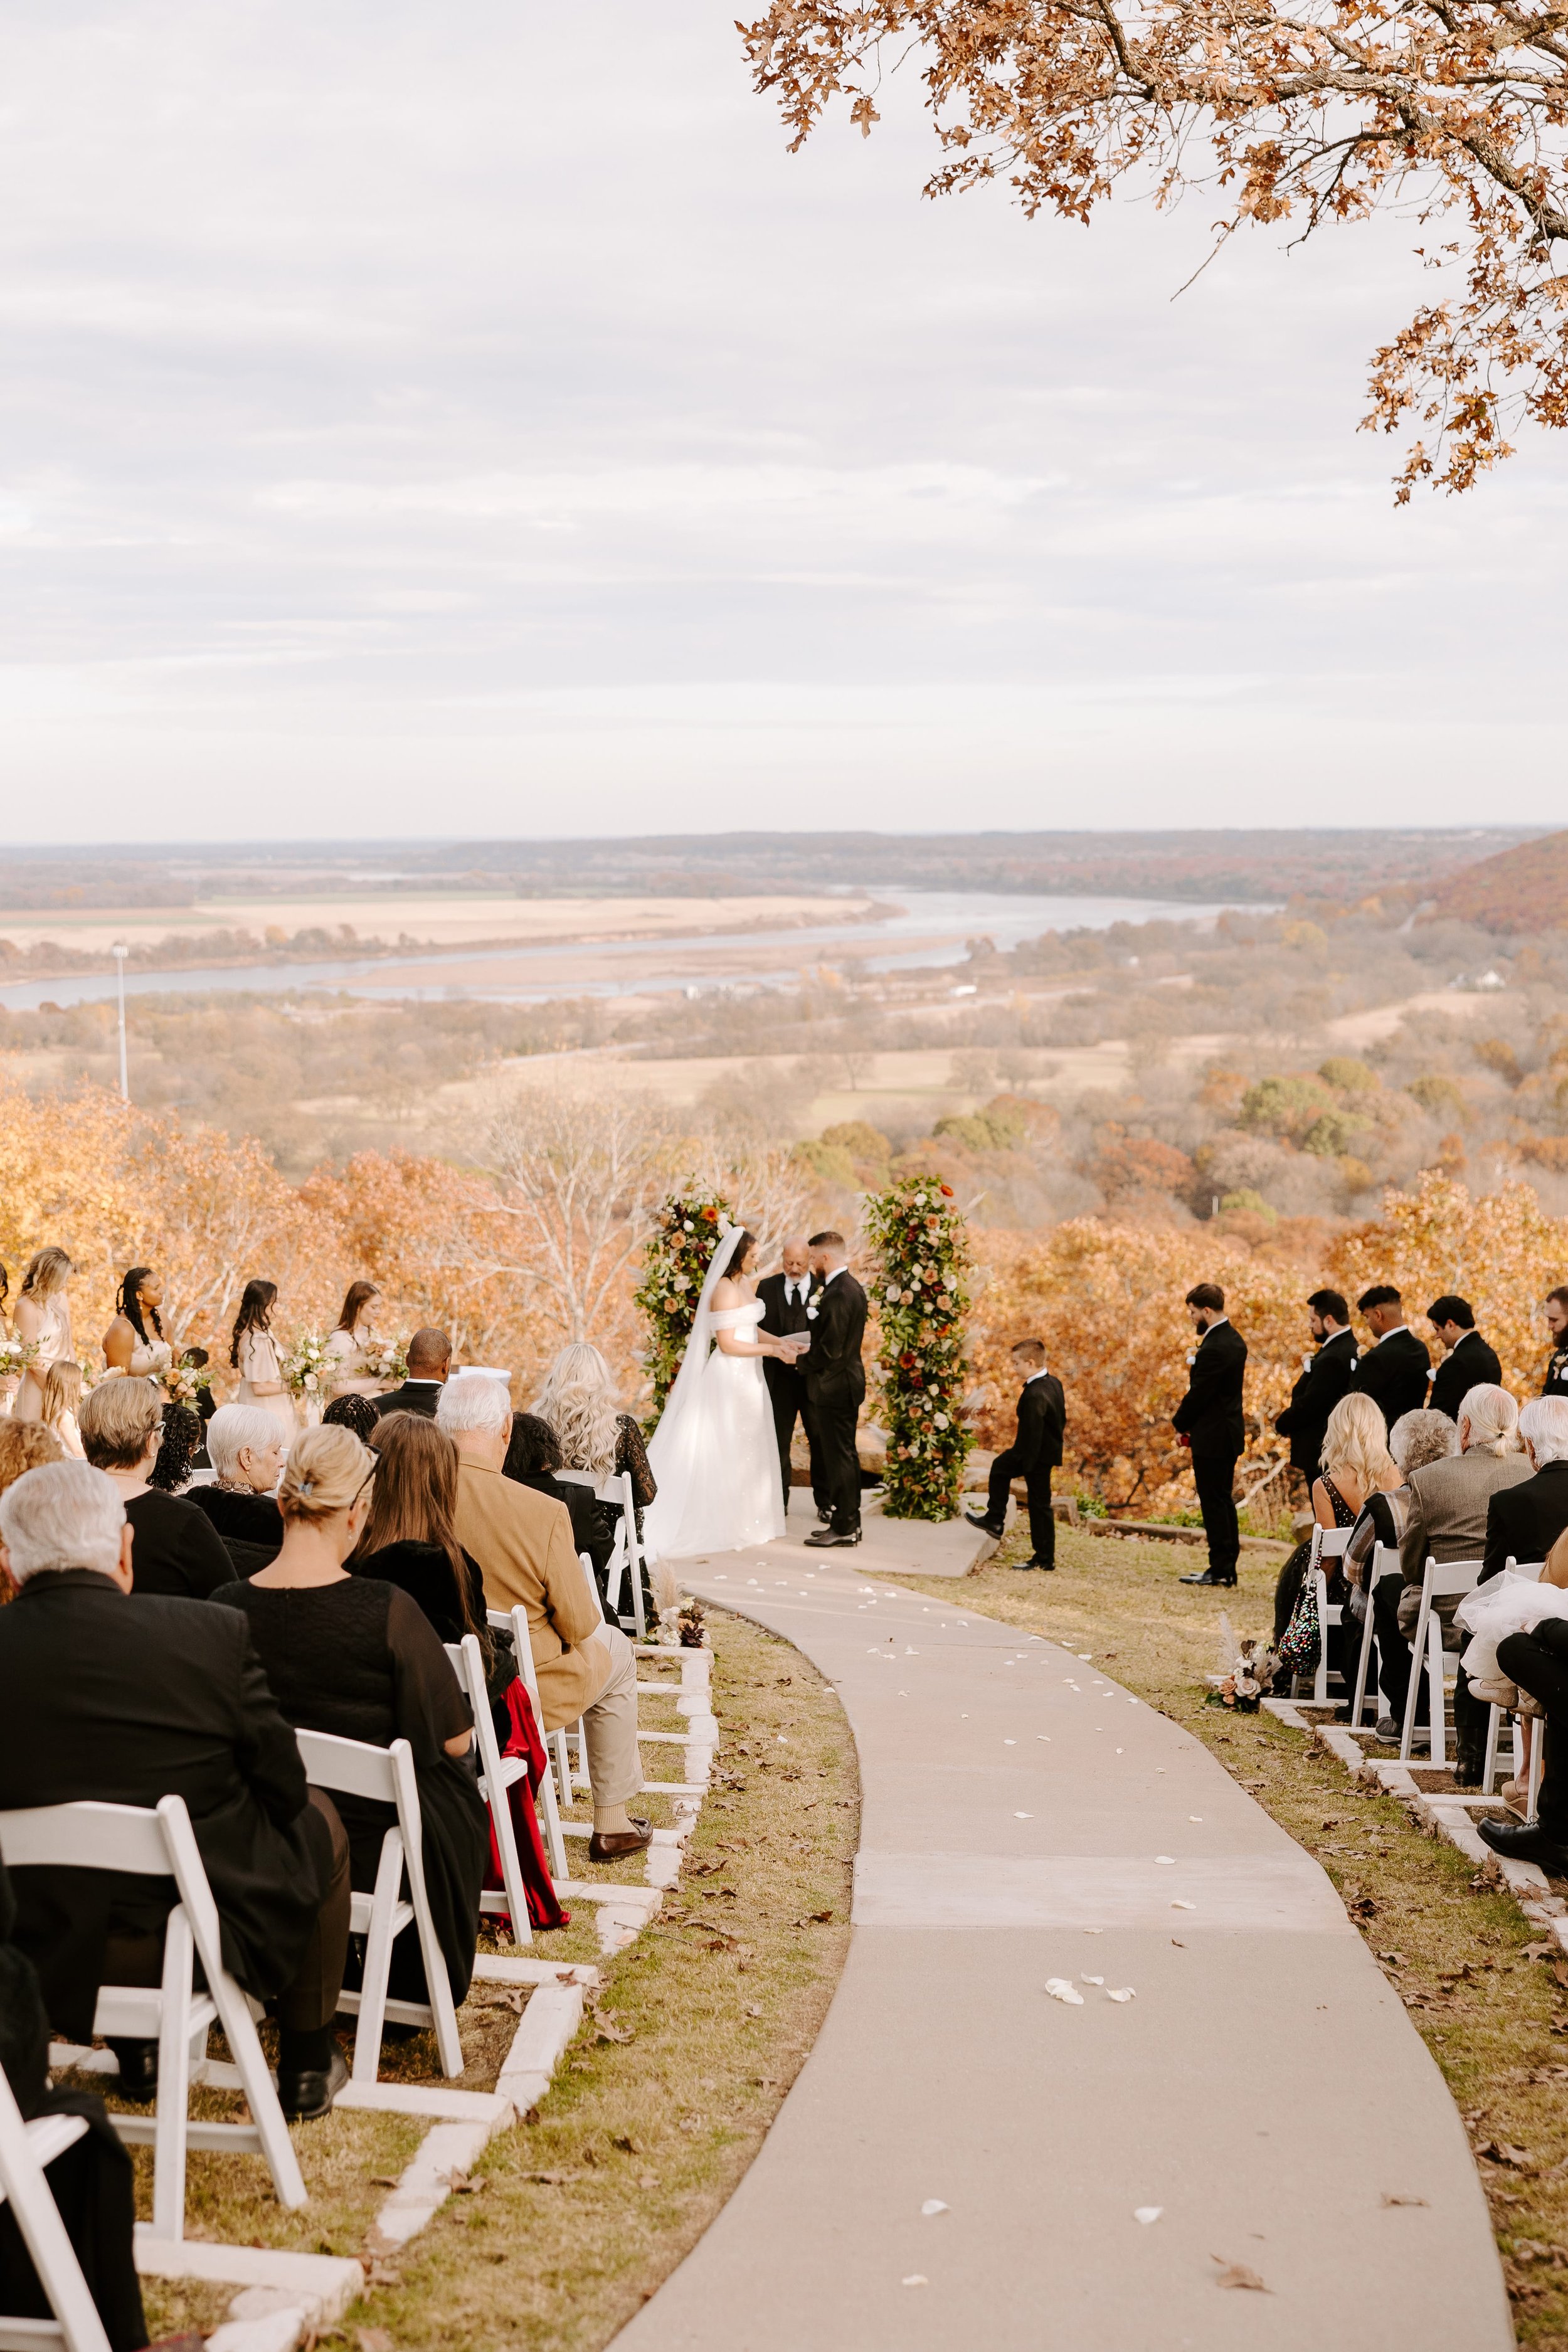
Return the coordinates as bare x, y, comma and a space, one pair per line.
675, 1262
922, 1255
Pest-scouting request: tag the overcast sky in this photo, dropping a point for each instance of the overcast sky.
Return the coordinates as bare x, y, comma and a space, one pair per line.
420, 421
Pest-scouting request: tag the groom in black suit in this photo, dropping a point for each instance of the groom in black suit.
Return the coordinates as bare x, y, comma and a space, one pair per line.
786, 1296
1209, 1421
836, 1384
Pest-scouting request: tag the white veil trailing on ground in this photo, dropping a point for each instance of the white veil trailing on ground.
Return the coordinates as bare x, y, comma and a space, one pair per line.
674, 1449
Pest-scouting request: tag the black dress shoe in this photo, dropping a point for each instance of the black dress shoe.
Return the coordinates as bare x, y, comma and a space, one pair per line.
307, 2093
138, 2069
825, 1538
1048, 1565
1468, 1768
986, 1526
613, 1845
1213, 1576
1525, 1841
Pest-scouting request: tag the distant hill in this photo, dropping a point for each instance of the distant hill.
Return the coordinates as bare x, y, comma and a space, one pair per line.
1521, 889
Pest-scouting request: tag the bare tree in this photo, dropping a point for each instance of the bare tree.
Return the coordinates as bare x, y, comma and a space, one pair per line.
1454, 110
576, 1177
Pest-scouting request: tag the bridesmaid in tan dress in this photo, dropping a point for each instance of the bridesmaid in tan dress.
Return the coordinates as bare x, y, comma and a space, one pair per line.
43, 1315
255, 1355
346, 1345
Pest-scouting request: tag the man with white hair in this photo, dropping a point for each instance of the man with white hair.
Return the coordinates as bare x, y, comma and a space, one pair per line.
1527, 1519
523, 1542
126, 1705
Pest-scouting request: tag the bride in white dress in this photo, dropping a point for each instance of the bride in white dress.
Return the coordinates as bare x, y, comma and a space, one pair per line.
714, 1453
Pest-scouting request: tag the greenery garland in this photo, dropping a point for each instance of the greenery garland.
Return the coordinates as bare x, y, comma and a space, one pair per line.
675, 1262
922, 1258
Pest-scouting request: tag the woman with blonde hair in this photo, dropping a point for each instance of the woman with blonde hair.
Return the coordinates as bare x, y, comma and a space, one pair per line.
357, 1656
43, 1319
1354, 1462
578, 1401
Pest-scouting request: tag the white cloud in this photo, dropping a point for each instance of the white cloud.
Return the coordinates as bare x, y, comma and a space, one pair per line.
417, 421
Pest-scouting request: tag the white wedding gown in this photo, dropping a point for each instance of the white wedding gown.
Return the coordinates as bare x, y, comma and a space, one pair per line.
717, 1458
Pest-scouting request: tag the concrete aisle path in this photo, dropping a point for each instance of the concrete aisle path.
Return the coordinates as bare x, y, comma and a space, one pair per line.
1025, 1820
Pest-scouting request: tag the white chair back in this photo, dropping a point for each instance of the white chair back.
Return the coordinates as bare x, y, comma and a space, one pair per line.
627, 1557
24, 2151
1530, 1571
499, 1776
516, 1620
1384, 1562
1442, 1580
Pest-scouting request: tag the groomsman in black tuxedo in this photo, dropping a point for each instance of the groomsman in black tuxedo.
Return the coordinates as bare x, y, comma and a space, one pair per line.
1556, 1380
836, 1384
1208, 1421
1035, 1453
1469, 1361
1395, 1370
1325, 1379
786, 1296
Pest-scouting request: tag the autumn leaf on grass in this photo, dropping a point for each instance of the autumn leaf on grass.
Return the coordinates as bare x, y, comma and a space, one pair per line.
1238, 2274
1497, 2152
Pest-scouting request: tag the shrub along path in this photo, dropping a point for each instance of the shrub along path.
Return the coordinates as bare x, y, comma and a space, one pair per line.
1258, 2119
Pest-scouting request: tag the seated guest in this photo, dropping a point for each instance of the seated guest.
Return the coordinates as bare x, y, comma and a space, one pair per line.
1354, 1462
24, 1445
578, 1401
91, 2183
1415, 1440
408, 1540
533, 1458
184, 1438
429, 1363
177, 1550
524, 1545
353, 1655
128, 1702
1537, 1662
351, 1411
1394, 1369
247, 1449
1469, 1363
1524, 1521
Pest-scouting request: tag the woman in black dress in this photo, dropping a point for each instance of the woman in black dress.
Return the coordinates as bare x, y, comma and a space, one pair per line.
247, 1450
533, 1458
175, 1550
408, 1538
356, 1656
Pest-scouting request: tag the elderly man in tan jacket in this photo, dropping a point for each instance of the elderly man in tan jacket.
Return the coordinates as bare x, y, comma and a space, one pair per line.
523, 1542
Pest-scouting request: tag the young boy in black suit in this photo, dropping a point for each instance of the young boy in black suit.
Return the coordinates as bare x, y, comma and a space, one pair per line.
1035, 1453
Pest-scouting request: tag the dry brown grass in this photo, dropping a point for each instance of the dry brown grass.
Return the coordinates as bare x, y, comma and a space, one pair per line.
1495, 2020
660, 2104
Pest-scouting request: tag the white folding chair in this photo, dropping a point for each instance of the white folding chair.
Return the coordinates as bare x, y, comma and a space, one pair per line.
1446, 1582
385, 1776
499, 1774
1384, 1562
161, 1844
627, 1556
26, 2150
1327, 1543
1529, 1569
516, 1621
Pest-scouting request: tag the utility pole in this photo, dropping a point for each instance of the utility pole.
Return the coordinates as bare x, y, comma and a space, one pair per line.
120, 952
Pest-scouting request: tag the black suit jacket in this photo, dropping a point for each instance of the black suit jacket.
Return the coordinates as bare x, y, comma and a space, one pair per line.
1470, 1363
414, 1396
1042, 1417
786, 1382
1315, 1397
125, 1700
835, 1375
1526, 1519
1394, 1374
1209, 1416
1556, 1380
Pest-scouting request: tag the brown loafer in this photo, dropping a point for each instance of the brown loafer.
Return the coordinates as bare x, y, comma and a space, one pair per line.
615, 1843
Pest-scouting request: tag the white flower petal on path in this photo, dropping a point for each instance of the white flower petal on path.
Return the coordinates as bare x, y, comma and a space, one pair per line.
1120, 1992
1009, 1743
1147, 2213
1169, 1859
1059, 1989
1088, 1979
1023, 1817
935, 2205
1194, 1817
1180, 1905
917, 2278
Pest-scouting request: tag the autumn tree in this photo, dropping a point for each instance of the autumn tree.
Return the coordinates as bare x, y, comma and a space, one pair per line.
1320, 112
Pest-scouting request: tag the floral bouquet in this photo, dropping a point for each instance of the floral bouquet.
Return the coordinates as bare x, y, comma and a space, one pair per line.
182, 1379
675, 1262
15, 1355
308, 1369
922, 1252
387, 1360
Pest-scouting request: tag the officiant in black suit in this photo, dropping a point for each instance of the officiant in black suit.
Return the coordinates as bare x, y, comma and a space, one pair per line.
1209, 1420
786, 1296
429, 1362
1395, 1370
836, 1384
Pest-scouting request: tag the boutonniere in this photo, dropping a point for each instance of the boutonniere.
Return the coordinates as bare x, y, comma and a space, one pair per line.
814, 1300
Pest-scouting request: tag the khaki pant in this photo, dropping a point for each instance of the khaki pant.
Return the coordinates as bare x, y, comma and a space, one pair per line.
610, 1721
